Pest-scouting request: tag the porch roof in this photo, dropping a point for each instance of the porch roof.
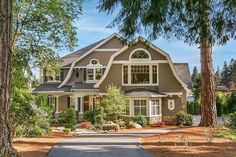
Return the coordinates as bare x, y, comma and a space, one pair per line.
81, 85
142, 92
51, 88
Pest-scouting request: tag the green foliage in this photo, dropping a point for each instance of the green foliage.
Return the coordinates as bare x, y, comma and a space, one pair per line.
36, 125
114, 102
141, 120
229, 134
67, 130
89, 116
120, 122
183, 118
193, 108
91, 127
99, 117
231, 102
67, 118
232, 120
197, 88
110, 127
132, 124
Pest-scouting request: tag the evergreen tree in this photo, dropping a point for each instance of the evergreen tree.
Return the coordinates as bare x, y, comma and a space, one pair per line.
197, 88
194, 74
225, 74
218, 77
204, 23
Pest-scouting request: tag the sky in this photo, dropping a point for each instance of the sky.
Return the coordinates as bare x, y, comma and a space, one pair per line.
91, 27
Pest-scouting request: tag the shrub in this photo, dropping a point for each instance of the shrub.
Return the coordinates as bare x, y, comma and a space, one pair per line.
183, 118
99, 116
109, 127
89, 116
67, 130
141, 120
70, 126
132, 124
231, 102
120, 122
67, 118
91, 127
232, 120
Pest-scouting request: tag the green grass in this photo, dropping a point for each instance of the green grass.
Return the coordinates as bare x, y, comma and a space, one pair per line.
229, 134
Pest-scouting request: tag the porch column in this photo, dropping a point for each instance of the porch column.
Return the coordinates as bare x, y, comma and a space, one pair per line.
81, 105
76, 103
57, 106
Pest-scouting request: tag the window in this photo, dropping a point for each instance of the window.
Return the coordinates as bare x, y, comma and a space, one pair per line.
125, 74
127, 108
154, 74
90, 74
155, 107
99, 72
94, 70
140, 74
52, 76
94, 61
51, 101
140, 54
140, 107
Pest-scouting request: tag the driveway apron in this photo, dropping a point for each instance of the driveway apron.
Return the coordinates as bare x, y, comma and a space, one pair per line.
104, 145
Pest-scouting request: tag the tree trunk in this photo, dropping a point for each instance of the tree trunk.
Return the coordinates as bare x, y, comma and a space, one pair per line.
6, 147
208, 103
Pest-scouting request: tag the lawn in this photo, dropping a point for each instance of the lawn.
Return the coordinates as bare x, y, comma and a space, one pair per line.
189, 142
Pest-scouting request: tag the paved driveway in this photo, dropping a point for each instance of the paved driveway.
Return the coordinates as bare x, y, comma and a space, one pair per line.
104, 145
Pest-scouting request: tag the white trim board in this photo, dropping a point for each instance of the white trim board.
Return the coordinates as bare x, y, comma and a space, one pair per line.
84, 55
106, 50
139, 62
153, 47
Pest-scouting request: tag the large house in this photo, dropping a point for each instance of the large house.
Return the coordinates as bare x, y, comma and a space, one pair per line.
153, 85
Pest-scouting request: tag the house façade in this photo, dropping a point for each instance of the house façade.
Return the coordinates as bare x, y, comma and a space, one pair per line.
153, 85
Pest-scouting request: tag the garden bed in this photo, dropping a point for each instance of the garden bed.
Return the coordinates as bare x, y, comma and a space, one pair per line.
188, 142
38, 147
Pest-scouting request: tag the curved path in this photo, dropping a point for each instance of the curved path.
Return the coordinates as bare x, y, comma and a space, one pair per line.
104, 145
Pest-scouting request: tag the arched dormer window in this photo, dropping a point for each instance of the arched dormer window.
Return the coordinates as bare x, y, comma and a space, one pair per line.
94, 71
140, 54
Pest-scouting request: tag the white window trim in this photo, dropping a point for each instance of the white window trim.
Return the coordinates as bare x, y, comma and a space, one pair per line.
150, 107
140, 49
150, 76
147, 106
94, 67
54, 78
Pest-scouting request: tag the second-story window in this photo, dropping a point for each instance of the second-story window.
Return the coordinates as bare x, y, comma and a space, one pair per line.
94, 71
52, 76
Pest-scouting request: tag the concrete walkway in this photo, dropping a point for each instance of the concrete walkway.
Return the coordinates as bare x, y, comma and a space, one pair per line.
90, 144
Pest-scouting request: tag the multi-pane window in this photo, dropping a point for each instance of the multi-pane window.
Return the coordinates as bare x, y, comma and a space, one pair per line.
154, 74
99, 72
90, 74
125, 74
140, 54
155, 107
140, 107
94, 74
140, 74
51, 101
53, 76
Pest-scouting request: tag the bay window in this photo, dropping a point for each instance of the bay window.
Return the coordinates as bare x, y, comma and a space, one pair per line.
140, 107
155, 107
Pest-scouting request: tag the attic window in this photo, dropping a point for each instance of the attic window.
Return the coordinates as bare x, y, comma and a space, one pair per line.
94, 62
140, 54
